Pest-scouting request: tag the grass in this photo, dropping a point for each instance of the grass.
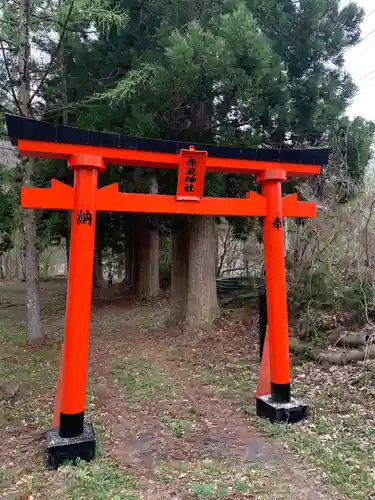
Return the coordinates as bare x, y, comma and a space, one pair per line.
142, 379
346, 458
231, 379
177, 427
34, 370
338, 439
339, 435
207, 491
98, 480
5, 477
220, 479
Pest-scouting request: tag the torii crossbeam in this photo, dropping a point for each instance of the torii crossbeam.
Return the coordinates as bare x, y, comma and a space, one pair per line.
87, 154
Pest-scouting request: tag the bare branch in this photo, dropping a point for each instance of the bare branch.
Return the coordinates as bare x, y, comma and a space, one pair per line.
8, 42
16, 101
53, 56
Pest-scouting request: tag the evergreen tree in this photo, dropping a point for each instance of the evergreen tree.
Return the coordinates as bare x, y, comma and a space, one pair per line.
250, 73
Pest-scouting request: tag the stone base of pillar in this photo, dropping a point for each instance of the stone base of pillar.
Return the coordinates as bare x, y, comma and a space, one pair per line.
61, 450
289, 413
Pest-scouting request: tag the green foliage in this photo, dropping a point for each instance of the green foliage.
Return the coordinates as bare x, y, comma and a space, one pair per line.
327, 289
351, 143
5, 476
177, 427
101, 480
140, 378
240, 72
241, 486
244, 73
8, 208
203, 490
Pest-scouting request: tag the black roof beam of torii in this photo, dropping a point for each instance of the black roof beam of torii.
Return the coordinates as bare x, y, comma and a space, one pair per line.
34, 130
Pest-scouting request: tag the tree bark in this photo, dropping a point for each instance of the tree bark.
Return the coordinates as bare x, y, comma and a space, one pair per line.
17, 259
154, 249
36, 334
129, 261
98, 269
147, 253
23, 262
8, 266
2, 273
179, 273
202, 306
147, 259
67, 253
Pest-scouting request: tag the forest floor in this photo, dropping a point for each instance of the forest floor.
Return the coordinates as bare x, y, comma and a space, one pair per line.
174, 411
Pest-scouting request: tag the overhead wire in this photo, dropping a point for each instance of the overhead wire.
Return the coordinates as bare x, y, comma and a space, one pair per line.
364, 77
367, 75
365, 37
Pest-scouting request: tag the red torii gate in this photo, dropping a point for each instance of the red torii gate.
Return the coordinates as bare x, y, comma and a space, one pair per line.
87, 154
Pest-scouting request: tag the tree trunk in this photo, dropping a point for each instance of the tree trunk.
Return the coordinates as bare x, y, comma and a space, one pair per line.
17, 260
133, 266
147, 259
98, 269
147, 253
179, 273
129, 257
154, 249
2, 273
23, 262
36, 334
67, 253
120, 265
129, 262
202, 305
8, 266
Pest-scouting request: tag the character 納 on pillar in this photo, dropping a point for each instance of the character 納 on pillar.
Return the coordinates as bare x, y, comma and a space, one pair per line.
75, 437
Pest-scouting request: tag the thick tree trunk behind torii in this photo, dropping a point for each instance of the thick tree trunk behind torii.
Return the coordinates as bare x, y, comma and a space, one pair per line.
193, 288
147, 253
201, 303
202, 306
147, 259
179, 272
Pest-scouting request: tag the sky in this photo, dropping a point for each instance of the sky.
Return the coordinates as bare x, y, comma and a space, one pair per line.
360, 62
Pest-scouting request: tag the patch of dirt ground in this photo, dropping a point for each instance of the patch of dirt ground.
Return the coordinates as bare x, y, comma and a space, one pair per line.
173, 411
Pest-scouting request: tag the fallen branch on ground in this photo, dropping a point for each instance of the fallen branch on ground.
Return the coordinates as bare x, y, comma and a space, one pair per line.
350, 339
341, 357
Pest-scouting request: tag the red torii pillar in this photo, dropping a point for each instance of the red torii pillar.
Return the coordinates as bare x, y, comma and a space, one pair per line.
75, 438
78, 304
277, 309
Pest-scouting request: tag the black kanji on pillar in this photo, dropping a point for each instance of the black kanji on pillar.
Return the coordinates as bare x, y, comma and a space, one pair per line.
84, 217
277, 223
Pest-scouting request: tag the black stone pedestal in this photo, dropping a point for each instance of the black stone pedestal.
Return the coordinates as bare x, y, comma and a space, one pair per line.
63, 449
290, 413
